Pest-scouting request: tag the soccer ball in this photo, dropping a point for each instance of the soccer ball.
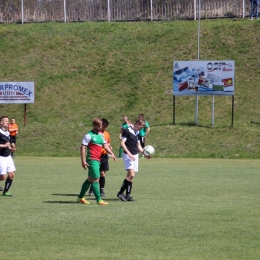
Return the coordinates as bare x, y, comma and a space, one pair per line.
149, 150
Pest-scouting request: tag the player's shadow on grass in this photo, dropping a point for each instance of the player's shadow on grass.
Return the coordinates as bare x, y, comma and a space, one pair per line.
69, 195
193, 124
256, 123
110, 199
91, 199
61, 202
86, 196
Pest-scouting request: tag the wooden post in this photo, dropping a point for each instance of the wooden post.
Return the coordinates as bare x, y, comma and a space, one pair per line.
232, 120
173, 109
24, 115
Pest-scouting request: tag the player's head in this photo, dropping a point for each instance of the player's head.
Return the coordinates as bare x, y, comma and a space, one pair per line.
105, 124
12, 121
125, 119
139, 124
97, 124
4, 122
141, 116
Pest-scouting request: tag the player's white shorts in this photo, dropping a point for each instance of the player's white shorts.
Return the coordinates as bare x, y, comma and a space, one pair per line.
130, 164
6, 165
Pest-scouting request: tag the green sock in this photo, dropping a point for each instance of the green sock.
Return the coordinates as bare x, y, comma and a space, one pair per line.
120, 152
84, 188
95, 187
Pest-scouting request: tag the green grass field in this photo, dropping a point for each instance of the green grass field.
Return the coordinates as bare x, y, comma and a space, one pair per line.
185, 209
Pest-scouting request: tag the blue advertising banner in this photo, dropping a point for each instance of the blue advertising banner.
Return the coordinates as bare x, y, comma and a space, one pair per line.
203, 77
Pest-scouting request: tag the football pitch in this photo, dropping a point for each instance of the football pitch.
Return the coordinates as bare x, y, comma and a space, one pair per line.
184, 209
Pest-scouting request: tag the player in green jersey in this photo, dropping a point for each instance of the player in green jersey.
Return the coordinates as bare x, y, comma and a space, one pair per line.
143, 132
94, 141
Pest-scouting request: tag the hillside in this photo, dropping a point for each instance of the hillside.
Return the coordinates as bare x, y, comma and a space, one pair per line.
87, 70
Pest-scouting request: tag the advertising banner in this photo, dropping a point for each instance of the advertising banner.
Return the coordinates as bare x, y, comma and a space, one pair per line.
203, 77
17, 92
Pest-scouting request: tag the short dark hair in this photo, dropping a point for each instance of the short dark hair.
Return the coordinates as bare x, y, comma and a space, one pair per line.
105, 121
3, 117
141, 116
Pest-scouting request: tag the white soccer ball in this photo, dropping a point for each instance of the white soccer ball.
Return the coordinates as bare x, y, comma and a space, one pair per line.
149, 150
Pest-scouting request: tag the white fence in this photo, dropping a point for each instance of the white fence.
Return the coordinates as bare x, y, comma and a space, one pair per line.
20, 11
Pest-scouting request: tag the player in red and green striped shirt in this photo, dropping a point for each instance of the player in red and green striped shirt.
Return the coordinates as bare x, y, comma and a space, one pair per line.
94, 141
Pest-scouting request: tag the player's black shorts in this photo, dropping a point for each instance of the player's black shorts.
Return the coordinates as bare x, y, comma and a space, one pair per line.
13, 139
142, 140
104, 163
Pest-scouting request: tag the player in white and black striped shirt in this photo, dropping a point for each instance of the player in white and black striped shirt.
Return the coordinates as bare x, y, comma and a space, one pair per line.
7, 167
131, 146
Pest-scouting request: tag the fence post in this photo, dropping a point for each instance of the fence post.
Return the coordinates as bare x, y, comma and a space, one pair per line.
151, 9
243, 9
22, 9
108, 11
195, 10
65, 12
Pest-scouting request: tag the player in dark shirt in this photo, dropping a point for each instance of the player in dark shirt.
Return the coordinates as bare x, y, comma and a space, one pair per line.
7, 167
131, 146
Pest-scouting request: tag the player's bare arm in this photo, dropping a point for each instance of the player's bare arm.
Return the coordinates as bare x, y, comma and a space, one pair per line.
12, 147
141, 150
107, 148
147, 131
132, 157
120, 134
83, 156
6, 145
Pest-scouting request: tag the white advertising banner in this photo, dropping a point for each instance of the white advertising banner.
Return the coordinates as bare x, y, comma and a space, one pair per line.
17, 92
203, 77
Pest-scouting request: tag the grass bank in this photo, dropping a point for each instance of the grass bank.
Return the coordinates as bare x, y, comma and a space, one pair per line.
87, 70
